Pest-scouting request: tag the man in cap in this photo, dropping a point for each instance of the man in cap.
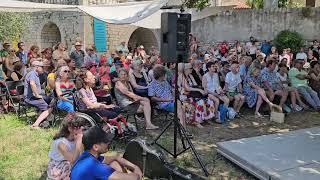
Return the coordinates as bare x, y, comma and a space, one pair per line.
78, 55
299, 79
33, 94
91, 165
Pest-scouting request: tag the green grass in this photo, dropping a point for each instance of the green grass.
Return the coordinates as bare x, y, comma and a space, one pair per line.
23, 151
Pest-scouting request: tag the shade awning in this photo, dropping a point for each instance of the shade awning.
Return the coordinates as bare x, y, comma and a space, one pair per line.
123, 13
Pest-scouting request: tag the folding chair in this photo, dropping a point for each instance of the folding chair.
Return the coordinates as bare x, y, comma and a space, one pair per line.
12, 93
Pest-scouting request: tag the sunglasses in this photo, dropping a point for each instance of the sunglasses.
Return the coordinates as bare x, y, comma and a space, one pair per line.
66, 71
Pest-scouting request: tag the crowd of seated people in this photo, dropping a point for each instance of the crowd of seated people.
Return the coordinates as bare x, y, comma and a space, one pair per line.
216, 77
228, 74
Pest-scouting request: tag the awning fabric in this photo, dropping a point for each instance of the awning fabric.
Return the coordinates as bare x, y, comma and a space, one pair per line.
145, 14
124, 13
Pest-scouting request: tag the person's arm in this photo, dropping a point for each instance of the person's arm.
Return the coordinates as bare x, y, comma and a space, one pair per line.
120, 176
134, 83
266, 84
34, 89
253, 85
72, 156
240, 89
124, 90
14, 76
314, 77
124, 163
7, 63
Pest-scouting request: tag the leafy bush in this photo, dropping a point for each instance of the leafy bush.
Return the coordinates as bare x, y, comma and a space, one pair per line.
12, 25
288, 39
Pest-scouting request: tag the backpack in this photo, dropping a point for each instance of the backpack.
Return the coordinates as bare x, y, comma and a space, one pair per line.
223, 111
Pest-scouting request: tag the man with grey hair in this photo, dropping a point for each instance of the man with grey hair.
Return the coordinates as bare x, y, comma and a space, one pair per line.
33, 92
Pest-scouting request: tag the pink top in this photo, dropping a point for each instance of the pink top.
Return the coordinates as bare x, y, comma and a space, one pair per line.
105, 77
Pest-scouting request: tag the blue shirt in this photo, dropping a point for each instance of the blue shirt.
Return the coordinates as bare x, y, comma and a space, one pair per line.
32, 75
243, 70
266, 48
161, 90
90, 168
270, 77
22, 56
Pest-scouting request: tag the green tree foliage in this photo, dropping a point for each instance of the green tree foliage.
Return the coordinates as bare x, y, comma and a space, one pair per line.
255, 4
12, 25
258, 4
199, 4
288, 39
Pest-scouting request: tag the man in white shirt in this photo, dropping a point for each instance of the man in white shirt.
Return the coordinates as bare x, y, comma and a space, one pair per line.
233, 87
302, 55
211, 85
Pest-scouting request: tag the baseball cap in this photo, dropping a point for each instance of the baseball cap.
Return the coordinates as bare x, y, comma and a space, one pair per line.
96, 135
37, 63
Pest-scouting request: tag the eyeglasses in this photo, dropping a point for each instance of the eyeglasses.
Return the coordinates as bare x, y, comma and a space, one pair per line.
66, 71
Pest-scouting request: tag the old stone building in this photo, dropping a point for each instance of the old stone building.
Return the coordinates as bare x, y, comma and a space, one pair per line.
49, 28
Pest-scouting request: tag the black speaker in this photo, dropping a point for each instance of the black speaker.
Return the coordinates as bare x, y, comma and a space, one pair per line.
175, 29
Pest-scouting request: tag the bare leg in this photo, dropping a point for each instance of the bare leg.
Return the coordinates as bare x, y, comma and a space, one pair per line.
236, 103
216, 102
241, 102
284, 96
263, 95
145, 103
293, 98
42, 117
258, 105
181, 114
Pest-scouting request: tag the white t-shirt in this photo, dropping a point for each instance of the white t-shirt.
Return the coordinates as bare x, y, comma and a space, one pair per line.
213, 83
283, 78
301, 56
233, 81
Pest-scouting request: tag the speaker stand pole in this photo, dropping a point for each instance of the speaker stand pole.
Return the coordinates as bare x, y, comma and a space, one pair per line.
178, 128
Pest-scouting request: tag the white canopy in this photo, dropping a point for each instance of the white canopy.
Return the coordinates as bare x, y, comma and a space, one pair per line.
124, 13
144, 14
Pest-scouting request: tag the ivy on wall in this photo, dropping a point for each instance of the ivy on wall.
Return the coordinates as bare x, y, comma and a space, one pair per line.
12, 25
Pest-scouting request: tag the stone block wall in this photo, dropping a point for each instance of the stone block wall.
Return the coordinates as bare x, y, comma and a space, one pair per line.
261, 24
70, 25
118, 33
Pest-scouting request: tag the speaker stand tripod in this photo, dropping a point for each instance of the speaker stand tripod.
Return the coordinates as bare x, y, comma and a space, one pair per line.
178, 128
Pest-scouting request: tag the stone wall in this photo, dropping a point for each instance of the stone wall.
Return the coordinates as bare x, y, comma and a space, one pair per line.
132, 35
47, 28
261, 24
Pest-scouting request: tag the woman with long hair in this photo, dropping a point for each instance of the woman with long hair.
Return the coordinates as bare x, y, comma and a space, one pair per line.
130, 101
33, 53
65, 149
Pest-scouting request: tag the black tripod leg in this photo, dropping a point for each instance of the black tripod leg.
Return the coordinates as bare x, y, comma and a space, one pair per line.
194, 150
181, 137
162, 132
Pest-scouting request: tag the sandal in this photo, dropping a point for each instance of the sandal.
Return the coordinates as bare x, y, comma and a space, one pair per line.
258, 115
